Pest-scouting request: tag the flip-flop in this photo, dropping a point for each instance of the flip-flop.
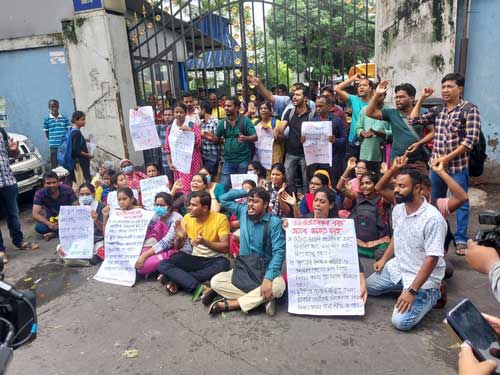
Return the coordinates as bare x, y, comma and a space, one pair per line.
25, 245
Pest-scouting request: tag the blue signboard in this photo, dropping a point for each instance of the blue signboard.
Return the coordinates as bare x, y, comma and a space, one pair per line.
83, 5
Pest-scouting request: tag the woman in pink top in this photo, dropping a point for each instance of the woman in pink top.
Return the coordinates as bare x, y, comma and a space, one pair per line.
178, 127
133, 177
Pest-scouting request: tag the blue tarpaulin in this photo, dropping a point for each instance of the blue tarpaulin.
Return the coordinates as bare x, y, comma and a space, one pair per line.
217, 28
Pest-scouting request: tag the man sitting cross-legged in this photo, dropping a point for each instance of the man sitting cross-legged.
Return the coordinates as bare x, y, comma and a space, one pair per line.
261, 238
208, 233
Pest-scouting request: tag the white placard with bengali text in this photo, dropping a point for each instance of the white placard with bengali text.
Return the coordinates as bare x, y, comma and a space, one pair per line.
264, 146
323, 269
143, 129
152, 186
181, 148
238, 179
125, 232
317, 149
76, 232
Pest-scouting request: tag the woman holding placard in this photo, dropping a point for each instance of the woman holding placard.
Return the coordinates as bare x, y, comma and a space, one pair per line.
281, 192
324, 208
158, 245
178, 143
86, 197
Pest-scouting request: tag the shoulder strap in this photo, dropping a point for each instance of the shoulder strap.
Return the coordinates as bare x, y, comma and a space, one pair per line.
5, 137
241, 124
273, 122
266, 233
464, 111
411, 129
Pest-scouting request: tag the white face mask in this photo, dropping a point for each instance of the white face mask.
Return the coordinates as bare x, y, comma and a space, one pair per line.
252, 172
85, 200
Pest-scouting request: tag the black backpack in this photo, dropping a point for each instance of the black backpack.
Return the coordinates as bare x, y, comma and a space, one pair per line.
477, 155
241, 129
368, 220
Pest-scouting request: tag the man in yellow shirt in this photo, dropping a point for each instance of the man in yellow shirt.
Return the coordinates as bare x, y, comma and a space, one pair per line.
208, 233
217, 111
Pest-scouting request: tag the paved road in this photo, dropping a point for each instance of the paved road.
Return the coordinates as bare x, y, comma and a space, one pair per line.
85, 326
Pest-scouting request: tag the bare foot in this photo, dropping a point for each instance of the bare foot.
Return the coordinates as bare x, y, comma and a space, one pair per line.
49, 236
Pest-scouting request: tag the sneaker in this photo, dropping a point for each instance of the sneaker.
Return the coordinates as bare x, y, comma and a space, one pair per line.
441, 303
271, 307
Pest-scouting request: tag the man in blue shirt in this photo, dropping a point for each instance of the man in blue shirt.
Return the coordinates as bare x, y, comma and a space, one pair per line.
55, 126
254, 218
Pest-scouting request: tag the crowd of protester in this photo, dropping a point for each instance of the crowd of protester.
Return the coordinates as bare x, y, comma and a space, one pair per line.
390, 173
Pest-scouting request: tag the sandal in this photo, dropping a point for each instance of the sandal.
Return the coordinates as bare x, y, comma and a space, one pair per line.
208, 297
215, 307
4, 258
171, 288
25, 245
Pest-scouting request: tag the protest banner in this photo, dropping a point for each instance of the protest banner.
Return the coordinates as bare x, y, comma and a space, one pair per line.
264, 146
181, 145
112, 199
238, 179
317, 149
125, 232
150, 187
323, 269
76, 232
143, 129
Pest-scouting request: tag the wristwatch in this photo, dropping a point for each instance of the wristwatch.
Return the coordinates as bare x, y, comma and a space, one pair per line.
412, 291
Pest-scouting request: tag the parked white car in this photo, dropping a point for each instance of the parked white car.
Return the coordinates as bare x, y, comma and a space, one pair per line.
28, 167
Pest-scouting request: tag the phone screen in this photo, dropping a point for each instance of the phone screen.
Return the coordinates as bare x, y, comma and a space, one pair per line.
470, 325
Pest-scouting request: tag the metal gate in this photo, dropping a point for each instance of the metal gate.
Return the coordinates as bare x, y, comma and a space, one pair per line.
207, 46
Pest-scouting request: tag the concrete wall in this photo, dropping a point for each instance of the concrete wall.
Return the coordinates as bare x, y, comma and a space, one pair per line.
415, 41
21, 18
29, 78
101, 73
482, 82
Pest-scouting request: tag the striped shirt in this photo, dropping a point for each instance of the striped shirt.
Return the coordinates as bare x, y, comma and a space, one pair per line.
56, 128
6, 176
451, 133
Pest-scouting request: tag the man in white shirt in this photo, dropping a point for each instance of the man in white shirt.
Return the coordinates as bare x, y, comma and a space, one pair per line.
418, 266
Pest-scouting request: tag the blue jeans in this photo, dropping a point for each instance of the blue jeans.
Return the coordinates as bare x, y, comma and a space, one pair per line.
8, 200
229, 168
380, 283
439, 190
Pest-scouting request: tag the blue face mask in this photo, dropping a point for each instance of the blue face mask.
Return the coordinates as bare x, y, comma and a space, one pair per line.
85, 200
160, 211
128, 169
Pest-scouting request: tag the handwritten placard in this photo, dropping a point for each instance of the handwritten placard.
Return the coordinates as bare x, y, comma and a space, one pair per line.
323, 268
125, 232
143, 129
152, 186
76, 232
264, 146
181, 148
317, 149
238, 179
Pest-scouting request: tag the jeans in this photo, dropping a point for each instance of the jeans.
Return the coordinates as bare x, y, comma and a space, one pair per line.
8, 200
53, 158
189, 271
229, 168
439, 189
211, 163
380, 283
292, 163
43, 229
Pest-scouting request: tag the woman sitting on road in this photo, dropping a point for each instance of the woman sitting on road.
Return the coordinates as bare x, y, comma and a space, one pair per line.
351, 188
317, 182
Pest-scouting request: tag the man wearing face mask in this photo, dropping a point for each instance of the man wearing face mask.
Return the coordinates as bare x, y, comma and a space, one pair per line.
418, 266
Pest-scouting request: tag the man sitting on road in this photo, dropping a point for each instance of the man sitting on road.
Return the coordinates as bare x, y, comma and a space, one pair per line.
47, 202
208, 232
418, 267
261, 236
